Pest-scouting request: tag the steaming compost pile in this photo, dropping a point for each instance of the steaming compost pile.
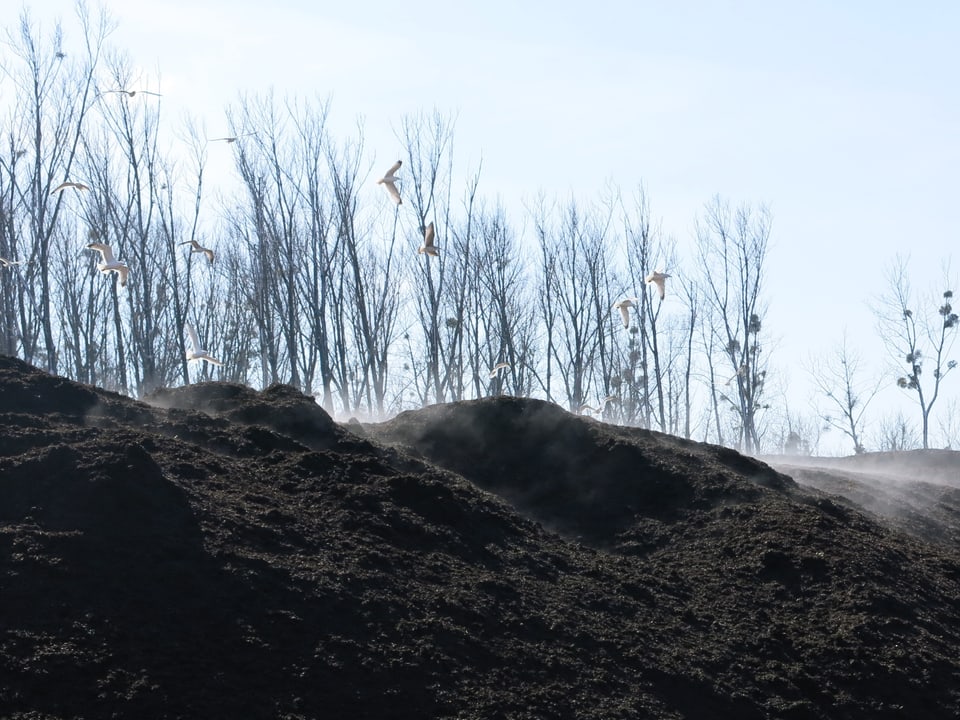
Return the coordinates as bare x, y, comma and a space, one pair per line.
219, 552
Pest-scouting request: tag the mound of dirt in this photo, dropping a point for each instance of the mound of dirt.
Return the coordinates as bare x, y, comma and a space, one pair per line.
222, 553
586, 480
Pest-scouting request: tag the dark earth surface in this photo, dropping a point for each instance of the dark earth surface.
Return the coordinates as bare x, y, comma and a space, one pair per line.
218, 552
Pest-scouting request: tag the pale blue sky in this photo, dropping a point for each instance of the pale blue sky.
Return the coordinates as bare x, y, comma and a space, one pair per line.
842, 117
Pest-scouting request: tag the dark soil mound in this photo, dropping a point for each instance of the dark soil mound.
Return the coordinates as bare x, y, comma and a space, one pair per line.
587, 480
225, 553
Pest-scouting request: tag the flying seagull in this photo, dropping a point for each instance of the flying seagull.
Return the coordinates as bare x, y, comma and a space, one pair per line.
109, 264
196, 352
10, 263
230, 138
64, 185
196, 247
623, 306
659, 279
131, 93
428, 247
388, 181
498, 367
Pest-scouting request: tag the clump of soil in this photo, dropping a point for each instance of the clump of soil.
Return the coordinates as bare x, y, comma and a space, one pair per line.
219, 552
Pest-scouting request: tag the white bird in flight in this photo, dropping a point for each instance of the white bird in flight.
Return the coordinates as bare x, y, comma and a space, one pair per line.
623, 306
230, 138
131, 93
10, 263
428, 247
196, 247
110, 264
658, 278
389, 180
68, 184
196, 352
498, 367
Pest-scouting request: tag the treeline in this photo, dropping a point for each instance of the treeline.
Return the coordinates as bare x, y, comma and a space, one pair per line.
317, 281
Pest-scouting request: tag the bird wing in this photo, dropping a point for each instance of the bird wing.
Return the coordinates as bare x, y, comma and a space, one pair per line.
497, 368
393, 168
61, 187
394, 193
624, 313
209, 253
106, 255
194, 341
122, 271
659, 279
428, 236
210, 359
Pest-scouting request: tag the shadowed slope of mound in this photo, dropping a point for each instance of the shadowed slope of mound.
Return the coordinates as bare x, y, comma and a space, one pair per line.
582, 478
236, 555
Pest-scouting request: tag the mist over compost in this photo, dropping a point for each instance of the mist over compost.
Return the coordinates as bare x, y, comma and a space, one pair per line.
220, 552
917, 491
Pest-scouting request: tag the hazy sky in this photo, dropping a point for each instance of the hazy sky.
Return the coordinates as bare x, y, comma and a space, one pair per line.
843, 118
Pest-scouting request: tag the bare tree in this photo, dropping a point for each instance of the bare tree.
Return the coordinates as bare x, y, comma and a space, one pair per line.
177, 283
690, 294
575, 298
428, 142
504, 311
896, 434
286, 227
52, 97
128, 172
950, 425
732, 248
918, 341
645, 378
364, 282
839, 379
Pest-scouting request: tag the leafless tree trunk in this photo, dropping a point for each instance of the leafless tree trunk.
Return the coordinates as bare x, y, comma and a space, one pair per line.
838, 377
428, 143
645, 377
504, 311
915, 339
732, 248
365, 279
577, 281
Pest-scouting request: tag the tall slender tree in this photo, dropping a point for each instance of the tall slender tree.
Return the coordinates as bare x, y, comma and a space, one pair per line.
918, 341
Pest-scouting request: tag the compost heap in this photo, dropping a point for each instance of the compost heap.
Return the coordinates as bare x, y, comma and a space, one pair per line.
218, 552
